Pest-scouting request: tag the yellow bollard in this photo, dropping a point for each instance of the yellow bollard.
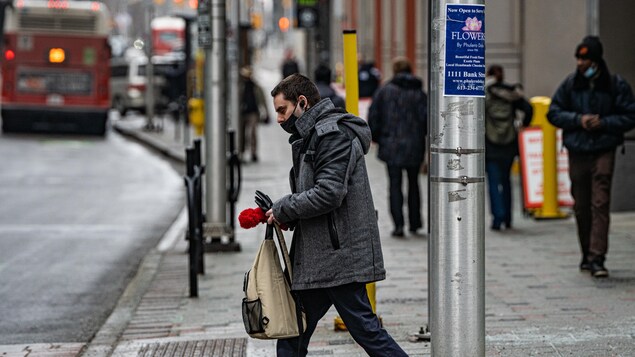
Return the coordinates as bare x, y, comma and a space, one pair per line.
196, 104
351, 83
550, 208
197, 115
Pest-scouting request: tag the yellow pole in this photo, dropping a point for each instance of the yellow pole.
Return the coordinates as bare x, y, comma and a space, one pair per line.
351, 83
196, 104
550, 208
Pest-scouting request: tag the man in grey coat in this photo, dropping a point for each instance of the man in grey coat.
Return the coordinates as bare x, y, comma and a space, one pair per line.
336, 248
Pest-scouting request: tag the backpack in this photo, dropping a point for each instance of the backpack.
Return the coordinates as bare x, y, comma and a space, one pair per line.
500, 114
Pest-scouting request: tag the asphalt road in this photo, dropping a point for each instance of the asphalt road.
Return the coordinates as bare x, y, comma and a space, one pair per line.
77, 215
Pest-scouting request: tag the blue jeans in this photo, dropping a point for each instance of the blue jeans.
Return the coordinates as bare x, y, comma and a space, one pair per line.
500, 190
353, 306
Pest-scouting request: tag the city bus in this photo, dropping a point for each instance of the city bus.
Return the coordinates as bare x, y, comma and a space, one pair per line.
168, 34
55, 67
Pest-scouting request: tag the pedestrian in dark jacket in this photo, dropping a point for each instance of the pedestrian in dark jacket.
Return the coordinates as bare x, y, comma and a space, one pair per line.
336, 248
398, 120
369, 78
594, 109
252, 109
323, 83
503, 102
290, 64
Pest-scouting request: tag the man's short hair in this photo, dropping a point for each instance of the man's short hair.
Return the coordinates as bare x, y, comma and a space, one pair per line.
296, 85
401, 65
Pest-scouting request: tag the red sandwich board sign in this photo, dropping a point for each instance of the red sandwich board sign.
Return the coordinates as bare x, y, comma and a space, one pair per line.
530, 144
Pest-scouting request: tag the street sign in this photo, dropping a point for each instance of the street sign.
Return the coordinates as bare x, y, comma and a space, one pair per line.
204, 24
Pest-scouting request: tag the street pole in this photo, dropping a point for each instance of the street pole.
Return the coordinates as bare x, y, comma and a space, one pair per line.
310, 52
215, 125
234, 65
149, 68
457, 178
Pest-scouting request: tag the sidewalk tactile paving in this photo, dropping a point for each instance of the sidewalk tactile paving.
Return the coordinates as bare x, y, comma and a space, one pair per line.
232, 347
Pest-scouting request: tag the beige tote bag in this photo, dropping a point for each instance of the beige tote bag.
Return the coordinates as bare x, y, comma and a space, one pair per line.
269, 310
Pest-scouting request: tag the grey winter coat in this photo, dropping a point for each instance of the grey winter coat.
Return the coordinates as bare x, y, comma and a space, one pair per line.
336, 238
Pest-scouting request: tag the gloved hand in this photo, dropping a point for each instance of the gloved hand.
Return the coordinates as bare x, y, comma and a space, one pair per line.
263, 201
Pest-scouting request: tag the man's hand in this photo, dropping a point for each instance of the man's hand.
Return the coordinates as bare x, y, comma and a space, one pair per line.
591, 122
270, 217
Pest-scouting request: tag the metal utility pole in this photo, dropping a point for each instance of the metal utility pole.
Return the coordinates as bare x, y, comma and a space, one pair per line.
457, 178
234, 66
212, 12
149, 68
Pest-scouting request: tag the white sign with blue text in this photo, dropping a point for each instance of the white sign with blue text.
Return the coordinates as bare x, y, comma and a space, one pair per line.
464, 50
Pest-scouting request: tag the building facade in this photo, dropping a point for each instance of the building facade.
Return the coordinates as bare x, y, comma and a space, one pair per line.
533, 40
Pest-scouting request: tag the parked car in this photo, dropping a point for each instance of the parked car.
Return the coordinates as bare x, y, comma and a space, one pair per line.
128, 81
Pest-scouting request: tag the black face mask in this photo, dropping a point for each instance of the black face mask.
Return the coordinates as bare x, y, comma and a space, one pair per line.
289, 124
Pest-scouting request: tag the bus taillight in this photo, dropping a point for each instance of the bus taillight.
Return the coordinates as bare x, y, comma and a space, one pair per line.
58, 4
57, 55
9, 55
135, 90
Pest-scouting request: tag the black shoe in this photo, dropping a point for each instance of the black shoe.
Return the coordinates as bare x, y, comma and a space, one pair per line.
414, 229
585, 266
598, 270
254, 158
398, 232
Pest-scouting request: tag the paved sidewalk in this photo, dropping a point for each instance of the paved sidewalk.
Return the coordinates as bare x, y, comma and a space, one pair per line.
537, 303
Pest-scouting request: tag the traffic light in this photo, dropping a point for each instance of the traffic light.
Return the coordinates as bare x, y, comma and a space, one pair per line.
284, 24
307, 13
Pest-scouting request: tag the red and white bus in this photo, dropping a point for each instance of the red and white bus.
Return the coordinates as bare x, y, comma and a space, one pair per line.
168, 34
55, 67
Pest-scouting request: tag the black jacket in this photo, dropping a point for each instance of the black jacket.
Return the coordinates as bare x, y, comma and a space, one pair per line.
609, 96
398, 120
326, 91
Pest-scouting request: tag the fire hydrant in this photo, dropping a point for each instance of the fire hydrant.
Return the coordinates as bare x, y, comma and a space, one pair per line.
197, 115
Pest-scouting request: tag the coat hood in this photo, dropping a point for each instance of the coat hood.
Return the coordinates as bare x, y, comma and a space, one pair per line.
406, 81
324, 114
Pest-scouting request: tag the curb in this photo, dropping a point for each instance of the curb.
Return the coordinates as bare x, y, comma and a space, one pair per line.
149, 140
107, 338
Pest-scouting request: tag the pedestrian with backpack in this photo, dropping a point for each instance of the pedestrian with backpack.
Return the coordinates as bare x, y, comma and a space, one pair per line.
594, 110
503, 103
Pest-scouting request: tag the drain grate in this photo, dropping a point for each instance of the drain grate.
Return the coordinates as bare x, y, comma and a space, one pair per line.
232, 347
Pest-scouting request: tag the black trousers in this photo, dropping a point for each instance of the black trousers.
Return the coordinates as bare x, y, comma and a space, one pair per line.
353, 306
396, 196
591, 176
